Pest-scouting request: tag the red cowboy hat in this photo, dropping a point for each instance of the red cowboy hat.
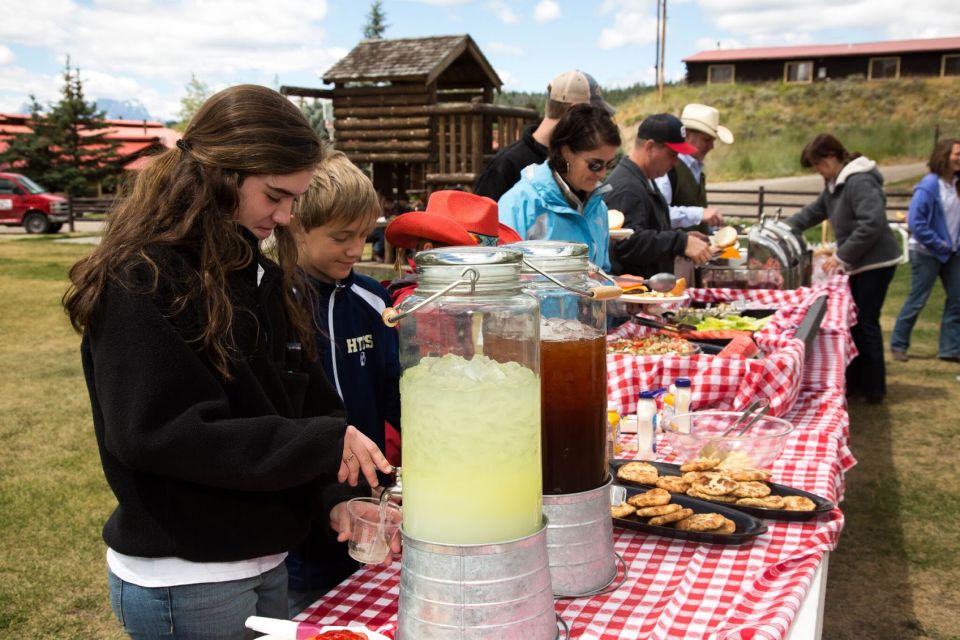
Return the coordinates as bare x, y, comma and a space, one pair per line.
453, 218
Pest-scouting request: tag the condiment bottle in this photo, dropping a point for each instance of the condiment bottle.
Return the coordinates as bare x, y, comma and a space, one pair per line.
613, 436
681, 402
646, 425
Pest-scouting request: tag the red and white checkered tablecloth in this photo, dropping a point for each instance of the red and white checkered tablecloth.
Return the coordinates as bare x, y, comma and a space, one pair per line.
678, 589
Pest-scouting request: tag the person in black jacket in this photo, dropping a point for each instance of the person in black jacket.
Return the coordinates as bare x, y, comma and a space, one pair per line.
654, 245
359, 352
503, 170
218, 433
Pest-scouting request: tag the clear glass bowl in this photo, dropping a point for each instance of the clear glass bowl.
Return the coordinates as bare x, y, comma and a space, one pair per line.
699, 434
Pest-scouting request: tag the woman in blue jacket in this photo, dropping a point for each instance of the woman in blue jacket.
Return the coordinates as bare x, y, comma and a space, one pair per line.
934, 222
560, 199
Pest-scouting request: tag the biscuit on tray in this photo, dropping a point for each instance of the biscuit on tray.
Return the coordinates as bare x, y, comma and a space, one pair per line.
767, 502
714, 485
641, 472
676, 516
622, 510
694, 493
728, 527
658, 510
751, 490
701, 522
673, 484
749, 475
798, 503
651, 498
699, 464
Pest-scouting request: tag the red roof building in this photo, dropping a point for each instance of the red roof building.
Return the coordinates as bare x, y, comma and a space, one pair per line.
808, 63
138, 139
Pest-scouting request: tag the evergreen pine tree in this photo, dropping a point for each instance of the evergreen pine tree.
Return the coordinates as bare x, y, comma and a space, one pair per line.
376, 24
67, 149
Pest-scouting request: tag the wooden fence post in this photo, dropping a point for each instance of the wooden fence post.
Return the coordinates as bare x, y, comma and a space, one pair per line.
760, 202
70, 211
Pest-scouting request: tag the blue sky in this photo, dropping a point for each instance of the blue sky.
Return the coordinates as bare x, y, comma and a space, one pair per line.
147, 50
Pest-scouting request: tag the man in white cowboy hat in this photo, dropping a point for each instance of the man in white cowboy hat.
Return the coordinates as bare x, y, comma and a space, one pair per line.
503, 170
685, 186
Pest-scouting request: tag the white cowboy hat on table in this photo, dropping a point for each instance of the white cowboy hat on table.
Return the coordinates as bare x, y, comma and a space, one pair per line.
700, 117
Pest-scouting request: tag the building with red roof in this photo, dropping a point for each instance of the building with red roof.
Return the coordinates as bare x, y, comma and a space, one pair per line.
138, 140
931, 57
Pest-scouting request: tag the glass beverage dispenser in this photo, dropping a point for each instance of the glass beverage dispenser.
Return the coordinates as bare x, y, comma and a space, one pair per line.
573, 370
470, 399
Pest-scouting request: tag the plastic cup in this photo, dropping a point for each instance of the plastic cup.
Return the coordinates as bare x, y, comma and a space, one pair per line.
370, 537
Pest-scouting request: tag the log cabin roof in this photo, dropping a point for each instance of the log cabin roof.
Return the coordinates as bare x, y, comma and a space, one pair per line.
455, 60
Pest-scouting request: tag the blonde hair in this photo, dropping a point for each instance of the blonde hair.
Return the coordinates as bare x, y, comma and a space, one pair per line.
339, 193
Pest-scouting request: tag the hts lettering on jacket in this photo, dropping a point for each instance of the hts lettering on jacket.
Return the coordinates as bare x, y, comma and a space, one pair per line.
360, 343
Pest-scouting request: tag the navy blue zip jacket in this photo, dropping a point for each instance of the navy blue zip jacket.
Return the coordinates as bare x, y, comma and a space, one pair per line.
359, 353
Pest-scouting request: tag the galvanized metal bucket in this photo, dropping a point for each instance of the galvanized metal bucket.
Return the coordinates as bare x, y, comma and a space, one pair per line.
476, 592
580, 541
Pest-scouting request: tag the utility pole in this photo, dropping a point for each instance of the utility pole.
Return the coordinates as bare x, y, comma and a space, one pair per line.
662, 44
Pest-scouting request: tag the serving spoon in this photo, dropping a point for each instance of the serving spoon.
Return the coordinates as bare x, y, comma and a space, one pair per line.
662, 282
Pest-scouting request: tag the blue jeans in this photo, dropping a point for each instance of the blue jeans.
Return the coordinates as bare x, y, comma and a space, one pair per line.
924, 270
207, 611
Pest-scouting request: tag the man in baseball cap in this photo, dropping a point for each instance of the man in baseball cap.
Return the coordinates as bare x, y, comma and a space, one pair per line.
654, 244
564, 91
685, 186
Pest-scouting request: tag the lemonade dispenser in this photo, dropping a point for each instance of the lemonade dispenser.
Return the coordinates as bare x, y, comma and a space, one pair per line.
573, 373
474, 563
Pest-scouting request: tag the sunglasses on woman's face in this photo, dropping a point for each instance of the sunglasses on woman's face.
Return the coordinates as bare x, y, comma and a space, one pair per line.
596, 166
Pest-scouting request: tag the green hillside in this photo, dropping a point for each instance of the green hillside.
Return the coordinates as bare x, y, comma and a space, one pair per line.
888, 121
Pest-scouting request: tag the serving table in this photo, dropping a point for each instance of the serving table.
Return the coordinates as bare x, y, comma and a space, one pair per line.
680, 589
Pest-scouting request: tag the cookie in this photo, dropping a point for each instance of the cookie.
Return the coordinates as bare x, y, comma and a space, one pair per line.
651, 498
658, 510
728, 526
673, 484
691, 476
751, 490
714, 485
749, 475
701, 522
699, 464
671, 517
693, 493
638, 472
798, 503
622, 510
768, 502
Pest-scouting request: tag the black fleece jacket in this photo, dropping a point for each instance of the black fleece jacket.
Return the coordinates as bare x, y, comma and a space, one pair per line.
204, 468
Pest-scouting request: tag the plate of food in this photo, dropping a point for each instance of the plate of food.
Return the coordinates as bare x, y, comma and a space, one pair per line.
660, 512
746, 490
657, 344
620, 234
653, 297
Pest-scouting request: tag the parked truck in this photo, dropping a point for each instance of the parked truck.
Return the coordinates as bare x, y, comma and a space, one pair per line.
24, 202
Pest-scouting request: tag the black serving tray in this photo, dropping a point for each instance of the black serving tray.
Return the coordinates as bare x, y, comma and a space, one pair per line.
668, 469
748, 527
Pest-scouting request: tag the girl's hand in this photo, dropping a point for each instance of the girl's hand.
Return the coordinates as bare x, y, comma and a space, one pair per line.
361, 454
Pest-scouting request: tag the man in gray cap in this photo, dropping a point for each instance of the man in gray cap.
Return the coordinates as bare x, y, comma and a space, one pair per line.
654, 244
503, 171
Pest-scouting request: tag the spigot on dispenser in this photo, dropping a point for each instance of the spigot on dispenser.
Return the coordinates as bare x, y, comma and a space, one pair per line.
393, 491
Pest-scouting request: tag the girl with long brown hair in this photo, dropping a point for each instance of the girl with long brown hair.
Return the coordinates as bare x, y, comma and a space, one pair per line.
218, 433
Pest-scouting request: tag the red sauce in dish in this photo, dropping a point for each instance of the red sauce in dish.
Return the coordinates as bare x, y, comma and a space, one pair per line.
340, 634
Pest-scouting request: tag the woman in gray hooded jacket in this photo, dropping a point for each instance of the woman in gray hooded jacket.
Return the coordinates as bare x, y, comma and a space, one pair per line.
854, 203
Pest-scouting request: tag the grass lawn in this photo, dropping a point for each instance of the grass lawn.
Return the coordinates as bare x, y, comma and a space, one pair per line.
894, 575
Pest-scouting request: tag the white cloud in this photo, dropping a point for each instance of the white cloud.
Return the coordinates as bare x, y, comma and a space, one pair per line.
443, 3
6, 55
503, 48
503, 12
634, 22
546, 11
773, 22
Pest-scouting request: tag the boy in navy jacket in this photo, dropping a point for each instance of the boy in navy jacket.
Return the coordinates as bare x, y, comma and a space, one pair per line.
359, 353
